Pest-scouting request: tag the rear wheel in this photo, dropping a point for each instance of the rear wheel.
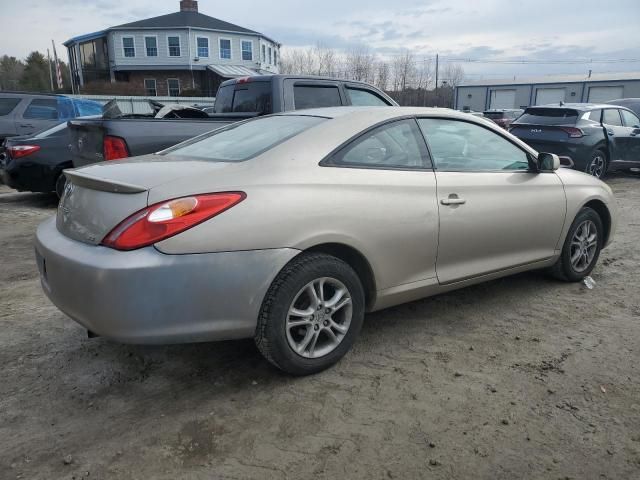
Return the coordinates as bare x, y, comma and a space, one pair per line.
597, 165
61, 181
311, 314
581, 247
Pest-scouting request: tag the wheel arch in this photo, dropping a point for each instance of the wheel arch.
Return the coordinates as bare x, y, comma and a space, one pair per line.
605, 215
356, 260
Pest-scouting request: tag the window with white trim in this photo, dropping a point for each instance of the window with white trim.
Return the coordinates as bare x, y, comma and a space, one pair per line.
150, 87
173, 85
270, 57
151, 46
203, 46
128, 47
264, 54
247, 50
174, 46
225, 48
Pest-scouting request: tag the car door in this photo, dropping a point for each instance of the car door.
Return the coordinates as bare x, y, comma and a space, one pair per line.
617, 134
495, 213
36, 115
632, 147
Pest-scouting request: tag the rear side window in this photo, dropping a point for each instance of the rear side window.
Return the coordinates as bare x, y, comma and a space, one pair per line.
549, 116
611, 117
246, 97
393, 145
7, 105
42, 109
595, 115
316, 96
244, 140
630, 119
364, 98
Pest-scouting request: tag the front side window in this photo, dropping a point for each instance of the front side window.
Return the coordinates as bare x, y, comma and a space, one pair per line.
225, 48
456, 145
247, 50
7, 105
128, 47
150, 87
364, 98
244, 140
316, 96
630, 119
174, 46
203, 47
173, 85
393, 145
151, 46
42, 109
611, 117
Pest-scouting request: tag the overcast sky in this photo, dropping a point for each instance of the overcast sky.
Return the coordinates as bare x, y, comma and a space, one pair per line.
495, 30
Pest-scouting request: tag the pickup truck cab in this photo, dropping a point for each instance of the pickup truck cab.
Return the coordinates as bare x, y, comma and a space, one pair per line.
238, 99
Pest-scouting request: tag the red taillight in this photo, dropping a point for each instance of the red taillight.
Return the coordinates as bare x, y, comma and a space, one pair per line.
20, 151
163, 220
573, 132
114, 148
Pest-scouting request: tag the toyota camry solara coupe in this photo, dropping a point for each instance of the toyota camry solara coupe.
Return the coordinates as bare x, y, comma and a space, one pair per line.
288, 228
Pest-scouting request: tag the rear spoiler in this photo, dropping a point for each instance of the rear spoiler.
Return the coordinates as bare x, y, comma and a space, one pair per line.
96, 183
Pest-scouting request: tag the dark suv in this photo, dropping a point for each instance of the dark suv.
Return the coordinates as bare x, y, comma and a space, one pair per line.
503, 116
593, 138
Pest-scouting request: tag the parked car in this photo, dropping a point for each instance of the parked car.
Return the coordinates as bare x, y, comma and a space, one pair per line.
632, 104
238, 99
35, 163
26, 113
592, 138
503, 116
288, 228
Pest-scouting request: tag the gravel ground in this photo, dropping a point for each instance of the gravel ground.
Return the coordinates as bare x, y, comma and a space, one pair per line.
522, 377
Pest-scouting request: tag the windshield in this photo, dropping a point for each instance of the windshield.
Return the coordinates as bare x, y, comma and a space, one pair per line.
242, 141
549, 116
244, 97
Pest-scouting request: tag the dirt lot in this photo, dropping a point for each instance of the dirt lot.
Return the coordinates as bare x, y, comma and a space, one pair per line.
519, 378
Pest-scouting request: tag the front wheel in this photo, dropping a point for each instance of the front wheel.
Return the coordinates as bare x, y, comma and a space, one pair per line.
597, 165
311, 314
581, 247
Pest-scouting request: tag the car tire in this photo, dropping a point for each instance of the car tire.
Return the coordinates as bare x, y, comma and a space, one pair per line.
584, 242
302, 331
597, 164
61, 181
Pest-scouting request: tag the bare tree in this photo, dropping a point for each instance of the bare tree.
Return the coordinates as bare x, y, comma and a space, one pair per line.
382, 75
453, 74
359, 64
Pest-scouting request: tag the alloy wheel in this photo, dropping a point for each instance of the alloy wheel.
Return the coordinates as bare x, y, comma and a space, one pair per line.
319, 317
584, 246
597, 166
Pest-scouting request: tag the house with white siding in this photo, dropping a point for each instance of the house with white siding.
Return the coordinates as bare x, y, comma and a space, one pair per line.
166, 55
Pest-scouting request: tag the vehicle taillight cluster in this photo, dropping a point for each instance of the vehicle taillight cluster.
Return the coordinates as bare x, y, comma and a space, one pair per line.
163, 220
573, 132
20, 151
114, 148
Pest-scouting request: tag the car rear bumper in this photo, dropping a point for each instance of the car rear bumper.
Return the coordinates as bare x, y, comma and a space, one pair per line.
27, 176
144, 296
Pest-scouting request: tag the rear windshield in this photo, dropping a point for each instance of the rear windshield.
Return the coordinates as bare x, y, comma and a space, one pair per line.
244, 97
549, 116
242, 141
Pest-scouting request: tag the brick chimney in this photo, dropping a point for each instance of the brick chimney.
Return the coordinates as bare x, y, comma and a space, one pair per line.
188, 6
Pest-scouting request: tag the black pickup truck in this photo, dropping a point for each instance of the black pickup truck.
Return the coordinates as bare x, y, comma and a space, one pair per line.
113, 137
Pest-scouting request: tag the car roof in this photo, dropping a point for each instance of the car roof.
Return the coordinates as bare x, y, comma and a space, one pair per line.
383, 112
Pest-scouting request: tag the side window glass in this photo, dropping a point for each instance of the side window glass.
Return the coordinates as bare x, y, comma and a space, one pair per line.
630, 119
595, 115
315, 96
393, 145
456, 145
7, 105
363, 98
611, 117
42, 109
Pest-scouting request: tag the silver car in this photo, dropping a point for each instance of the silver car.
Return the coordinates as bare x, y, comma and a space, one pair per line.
289, 228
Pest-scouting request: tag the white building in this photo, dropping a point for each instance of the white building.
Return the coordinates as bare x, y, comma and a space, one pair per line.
167, 54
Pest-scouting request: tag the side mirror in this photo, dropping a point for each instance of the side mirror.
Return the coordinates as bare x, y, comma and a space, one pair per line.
636, 131
548, 161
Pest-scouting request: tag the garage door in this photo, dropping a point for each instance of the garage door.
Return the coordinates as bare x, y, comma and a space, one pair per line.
503, 99
604, 94
545, 96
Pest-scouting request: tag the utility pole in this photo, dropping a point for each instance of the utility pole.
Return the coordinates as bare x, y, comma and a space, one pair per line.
50, 74
437, 80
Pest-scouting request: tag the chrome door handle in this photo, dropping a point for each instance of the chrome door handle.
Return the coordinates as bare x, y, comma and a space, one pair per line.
453, 201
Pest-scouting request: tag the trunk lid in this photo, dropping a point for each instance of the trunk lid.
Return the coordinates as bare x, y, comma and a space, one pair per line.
99, 197
539, 133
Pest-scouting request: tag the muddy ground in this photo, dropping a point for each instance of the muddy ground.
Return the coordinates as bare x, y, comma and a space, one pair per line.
518, 378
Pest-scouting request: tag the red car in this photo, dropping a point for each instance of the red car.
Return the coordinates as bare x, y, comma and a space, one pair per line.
503, 116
